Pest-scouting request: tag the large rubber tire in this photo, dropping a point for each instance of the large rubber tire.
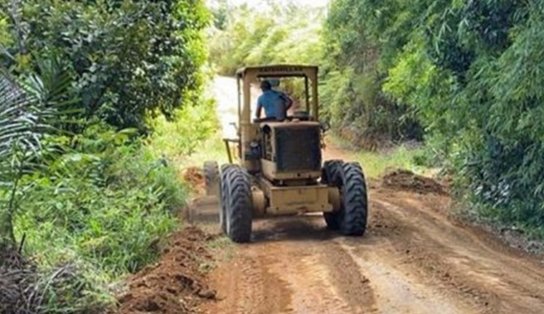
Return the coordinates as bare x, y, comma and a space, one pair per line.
352, 218
329, 174
330, 171
238, 205
211, 178
223, 193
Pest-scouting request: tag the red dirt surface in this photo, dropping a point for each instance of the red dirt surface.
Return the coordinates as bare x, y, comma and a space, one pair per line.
414, 258
174, 285
195, 178
408, 181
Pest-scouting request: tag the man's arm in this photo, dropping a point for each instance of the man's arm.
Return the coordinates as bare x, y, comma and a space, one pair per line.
288, 101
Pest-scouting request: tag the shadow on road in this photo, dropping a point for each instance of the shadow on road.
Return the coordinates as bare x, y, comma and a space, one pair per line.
205, 212
298, 228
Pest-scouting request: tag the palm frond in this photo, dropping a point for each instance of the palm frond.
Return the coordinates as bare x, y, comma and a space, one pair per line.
18, 119
30, 111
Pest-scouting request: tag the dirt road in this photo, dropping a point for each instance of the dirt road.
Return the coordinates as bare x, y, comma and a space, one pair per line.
414, 258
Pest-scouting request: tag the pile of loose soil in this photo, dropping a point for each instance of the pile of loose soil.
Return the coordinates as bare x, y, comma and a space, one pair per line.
195, 177
407, 180
176, 283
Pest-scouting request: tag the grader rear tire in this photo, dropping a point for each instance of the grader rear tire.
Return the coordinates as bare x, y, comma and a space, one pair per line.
353, 216
351, 219
237, 191
211, 177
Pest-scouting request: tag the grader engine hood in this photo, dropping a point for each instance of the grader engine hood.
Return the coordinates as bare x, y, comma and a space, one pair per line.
291, 150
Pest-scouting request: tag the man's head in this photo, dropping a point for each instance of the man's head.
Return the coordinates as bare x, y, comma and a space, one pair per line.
265, 85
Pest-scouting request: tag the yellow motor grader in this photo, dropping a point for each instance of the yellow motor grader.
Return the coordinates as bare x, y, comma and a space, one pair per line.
279, 169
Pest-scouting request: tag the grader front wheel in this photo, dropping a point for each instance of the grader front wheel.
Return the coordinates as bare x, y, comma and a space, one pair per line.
237, 200
223, 193
351, 219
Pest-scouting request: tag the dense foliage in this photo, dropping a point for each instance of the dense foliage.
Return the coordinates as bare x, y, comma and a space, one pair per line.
82, 192
272, 33
355, 69
471, 72
127, 58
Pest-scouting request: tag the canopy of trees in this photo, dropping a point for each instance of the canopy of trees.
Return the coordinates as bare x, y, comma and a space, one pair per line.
469, 71
127, 59
273, 33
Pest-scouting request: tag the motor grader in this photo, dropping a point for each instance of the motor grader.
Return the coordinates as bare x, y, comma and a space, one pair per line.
279, 169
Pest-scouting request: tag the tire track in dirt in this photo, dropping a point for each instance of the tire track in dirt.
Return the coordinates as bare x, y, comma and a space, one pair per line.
315, 273
461, 262
255, 288
412, 260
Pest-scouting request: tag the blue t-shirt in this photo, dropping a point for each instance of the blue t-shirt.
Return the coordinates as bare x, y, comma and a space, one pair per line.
274, 104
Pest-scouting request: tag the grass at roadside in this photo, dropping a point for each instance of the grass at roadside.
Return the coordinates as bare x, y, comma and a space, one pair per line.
95, 214
377, 163
100, 209
212, 149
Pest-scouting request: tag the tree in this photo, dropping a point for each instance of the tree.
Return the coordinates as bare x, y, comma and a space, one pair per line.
358, 50
129, 59
472, 73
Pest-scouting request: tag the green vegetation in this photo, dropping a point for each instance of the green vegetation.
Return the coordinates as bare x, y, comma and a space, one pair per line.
88, 188
273, 33
212, 148
127, 59
354, 74
184, 138
378, 163
463, 75
409, 156
469, 71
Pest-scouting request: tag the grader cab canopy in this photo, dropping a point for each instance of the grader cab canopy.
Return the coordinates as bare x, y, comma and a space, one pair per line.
246, 77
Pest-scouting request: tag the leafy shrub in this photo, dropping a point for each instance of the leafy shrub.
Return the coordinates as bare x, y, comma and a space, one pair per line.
98, 211
354, 73
129, 59
29, 112
105, 203
196, 123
